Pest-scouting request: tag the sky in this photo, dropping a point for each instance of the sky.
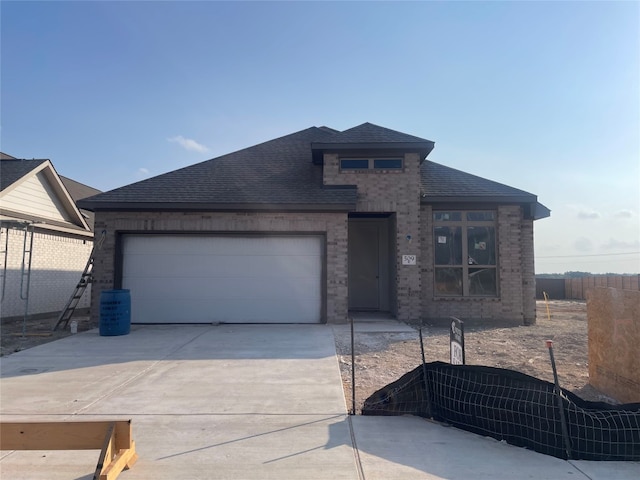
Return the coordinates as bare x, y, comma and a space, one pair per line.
541, 96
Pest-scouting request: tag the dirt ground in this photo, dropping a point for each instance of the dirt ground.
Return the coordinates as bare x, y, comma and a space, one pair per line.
16, 335
382, 358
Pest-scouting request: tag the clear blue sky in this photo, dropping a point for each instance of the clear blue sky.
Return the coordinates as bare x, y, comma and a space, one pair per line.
542, 96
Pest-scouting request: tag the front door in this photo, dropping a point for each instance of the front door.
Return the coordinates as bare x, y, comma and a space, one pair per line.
368, 264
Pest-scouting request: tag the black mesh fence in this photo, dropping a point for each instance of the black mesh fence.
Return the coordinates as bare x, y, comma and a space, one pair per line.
512, 406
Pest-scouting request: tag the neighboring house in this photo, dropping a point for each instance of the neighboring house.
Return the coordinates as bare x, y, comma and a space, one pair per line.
39, 216
314, 225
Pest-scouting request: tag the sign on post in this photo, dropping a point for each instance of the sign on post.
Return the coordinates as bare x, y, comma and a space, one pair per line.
456, 338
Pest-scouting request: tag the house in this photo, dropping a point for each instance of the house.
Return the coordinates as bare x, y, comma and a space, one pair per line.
46, 239
311, 226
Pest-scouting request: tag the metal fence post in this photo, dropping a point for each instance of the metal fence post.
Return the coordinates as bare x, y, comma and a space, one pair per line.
353, 371
563, 420
424, 374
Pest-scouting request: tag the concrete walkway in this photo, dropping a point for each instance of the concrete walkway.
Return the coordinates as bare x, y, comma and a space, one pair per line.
241, 402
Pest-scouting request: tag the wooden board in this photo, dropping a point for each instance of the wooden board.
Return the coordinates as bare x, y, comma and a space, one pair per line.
112, 438
62, 435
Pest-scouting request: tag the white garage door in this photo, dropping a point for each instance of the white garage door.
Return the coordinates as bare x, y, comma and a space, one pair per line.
233, 279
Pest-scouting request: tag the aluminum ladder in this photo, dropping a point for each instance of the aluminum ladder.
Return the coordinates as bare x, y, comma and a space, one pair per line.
25, 267
85, 280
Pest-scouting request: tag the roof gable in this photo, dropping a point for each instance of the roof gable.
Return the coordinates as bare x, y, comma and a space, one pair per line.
33, 191
370, 133
371, 137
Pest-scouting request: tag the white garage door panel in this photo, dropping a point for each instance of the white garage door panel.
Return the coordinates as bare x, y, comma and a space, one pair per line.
233, 288
204, 279
228, 266
221, 310
232, 245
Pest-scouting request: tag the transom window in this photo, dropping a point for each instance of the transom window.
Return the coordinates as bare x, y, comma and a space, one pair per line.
371, 163
465, 253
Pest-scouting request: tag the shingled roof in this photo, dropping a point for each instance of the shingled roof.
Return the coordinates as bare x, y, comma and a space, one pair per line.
444, 183
370, 136
275, 175
370, 133
280, 175
440, 184
12, 169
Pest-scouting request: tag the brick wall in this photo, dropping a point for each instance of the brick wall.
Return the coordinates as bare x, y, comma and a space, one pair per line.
56, 266
393, 192
333, 224
396, 192
515, 302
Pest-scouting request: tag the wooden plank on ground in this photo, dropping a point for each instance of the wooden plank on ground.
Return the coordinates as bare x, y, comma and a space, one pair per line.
61, 435
113, 438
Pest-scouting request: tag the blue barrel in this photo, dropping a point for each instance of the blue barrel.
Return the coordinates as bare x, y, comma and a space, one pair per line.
115, 312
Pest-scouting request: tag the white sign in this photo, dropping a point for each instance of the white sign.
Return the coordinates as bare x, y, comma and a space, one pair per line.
408, 259
456, 354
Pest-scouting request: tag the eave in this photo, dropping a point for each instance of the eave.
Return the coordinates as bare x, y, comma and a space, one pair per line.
215, 207
422, 148
532, 208
10, 219
59, 189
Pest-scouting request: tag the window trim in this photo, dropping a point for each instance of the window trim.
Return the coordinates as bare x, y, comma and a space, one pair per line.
465, 266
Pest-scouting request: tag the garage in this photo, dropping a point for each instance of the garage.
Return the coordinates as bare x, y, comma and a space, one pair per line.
188, 278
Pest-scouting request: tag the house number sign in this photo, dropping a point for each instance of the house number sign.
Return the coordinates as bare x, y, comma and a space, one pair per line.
408, 259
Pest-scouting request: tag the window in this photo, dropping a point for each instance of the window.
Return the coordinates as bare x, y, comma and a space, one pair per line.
354, 163
387, 163
465, 253
371, 164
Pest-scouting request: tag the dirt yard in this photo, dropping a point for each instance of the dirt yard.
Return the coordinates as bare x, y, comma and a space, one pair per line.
36, 332
382, 358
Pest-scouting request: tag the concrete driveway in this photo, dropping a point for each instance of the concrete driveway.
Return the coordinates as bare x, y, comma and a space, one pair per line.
241, 402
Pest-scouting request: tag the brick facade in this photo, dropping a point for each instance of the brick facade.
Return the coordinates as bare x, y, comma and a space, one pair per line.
393, 192
333, 225
56, 266
397, 193
515, 303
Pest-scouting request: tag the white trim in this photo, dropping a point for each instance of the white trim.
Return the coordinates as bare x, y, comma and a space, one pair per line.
59, 189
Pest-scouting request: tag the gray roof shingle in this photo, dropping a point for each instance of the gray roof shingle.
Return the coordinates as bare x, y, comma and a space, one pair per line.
370, 133
438, 182
371, 137
12, 170
270, 175
279, 175
78, 190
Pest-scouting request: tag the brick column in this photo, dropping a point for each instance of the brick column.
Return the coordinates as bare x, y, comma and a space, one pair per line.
528, 273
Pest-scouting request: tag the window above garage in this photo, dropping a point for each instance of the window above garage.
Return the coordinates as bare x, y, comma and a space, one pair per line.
371, 163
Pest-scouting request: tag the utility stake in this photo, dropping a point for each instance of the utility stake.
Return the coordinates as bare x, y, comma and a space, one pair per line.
353, 373
546, 301
563, 421
424, 374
